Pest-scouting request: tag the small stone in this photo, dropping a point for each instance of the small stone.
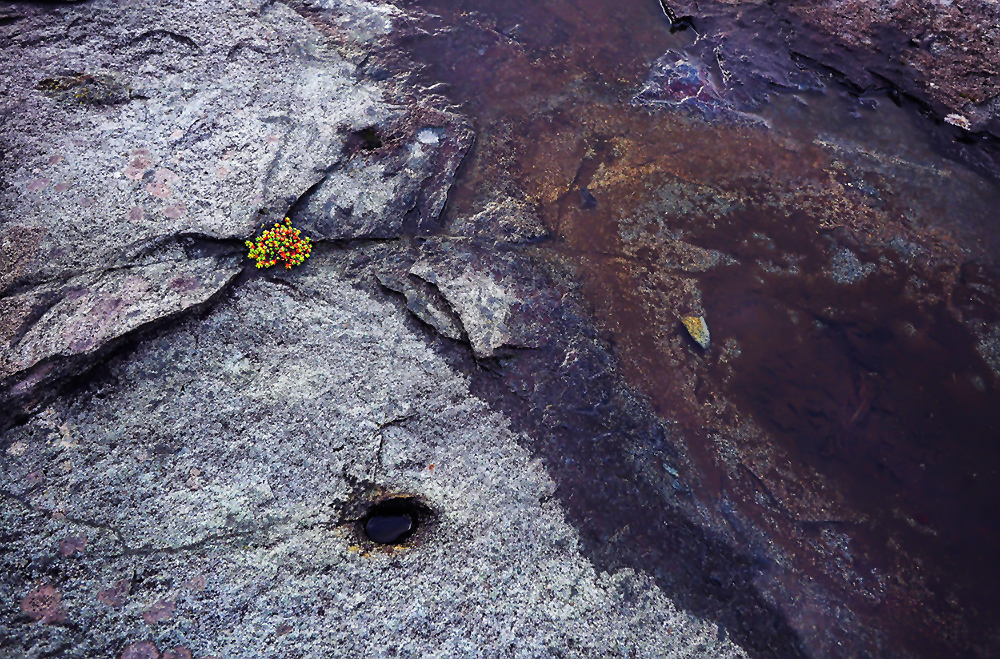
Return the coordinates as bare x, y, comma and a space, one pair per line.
958, 120
698, 329
388, 529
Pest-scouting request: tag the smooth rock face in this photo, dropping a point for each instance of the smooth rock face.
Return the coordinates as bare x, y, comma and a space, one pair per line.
216, 473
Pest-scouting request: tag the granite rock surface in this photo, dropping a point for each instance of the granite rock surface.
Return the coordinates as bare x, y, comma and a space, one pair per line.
204, 494
201, 492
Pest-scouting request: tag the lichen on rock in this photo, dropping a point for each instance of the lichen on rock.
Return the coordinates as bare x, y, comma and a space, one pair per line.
697, 328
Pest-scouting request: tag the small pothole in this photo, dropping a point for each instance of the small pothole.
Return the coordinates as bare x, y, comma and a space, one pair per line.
394, 521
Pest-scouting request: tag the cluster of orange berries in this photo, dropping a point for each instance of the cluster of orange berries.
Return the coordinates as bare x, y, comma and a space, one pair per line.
282, 243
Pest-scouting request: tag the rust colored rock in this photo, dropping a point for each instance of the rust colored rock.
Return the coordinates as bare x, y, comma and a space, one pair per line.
43, 605
116, 594
141, 650
948, 50
160, 612
179, 652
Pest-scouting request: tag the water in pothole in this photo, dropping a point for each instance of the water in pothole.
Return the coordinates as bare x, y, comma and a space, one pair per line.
846, 270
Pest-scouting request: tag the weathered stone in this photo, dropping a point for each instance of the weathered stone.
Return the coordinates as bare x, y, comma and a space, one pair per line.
944, 53
506, 219
94, 309
299, 402
424, 302
698, 329
128, 129
241, 111
373, 194
491, 291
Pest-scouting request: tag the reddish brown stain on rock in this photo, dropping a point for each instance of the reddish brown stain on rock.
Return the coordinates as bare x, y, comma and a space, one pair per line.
158, 190
197, 582
72, 544
175, 211
19, 247
137, 168
183, 283
43, 604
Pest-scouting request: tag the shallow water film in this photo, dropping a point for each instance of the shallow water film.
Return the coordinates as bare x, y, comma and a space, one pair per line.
846, 410
629, 328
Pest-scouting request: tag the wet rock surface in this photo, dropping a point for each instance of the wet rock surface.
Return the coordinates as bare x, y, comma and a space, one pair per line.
943, 56
823, 238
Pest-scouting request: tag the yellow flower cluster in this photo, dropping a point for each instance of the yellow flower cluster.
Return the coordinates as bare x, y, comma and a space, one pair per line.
282, 243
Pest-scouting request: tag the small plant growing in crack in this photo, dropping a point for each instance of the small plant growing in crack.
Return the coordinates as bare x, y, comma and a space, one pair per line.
284, 243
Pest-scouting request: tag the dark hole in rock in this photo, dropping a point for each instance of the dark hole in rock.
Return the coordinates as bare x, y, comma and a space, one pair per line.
366, 139
393, 521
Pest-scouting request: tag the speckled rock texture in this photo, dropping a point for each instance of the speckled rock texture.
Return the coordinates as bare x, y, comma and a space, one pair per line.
142, 144
200, 493
204, 494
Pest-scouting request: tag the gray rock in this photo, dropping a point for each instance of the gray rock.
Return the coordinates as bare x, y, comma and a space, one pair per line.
244, 109
128, 127
92, 309
424, 302
205, 496
494, 293
372, 195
